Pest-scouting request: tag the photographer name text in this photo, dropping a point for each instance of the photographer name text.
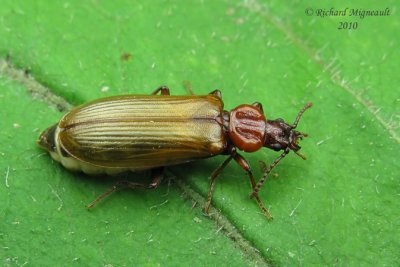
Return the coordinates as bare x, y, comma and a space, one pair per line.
352, 12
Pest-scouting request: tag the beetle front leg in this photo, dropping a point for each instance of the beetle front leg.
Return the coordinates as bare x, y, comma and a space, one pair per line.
157, 175
245, 166
267, 170
164, 90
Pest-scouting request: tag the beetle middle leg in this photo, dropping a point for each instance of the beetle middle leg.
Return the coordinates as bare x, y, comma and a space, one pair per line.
157, 177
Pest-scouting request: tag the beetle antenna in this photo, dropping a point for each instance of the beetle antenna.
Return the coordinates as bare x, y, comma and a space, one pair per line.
307, 106
300, 155
268, 170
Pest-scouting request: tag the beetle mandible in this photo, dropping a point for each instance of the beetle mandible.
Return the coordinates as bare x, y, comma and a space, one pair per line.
148, 132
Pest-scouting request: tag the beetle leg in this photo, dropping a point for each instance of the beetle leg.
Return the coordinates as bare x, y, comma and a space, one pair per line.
157, 177
245, 166
214, 175
188, 87
266, 172
216, 93
258, 105
164, 90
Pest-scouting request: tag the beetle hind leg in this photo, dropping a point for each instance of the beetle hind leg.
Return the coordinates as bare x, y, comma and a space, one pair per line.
157, 176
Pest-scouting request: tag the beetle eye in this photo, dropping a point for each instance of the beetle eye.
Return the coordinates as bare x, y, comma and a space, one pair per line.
276, 147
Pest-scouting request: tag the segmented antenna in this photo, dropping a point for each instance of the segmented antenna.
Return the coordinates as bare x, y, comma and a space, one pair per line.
307, 106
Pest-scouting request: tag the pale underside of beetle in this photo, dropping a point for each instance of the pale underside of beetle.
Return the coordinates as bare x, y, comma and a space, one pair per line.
132, 132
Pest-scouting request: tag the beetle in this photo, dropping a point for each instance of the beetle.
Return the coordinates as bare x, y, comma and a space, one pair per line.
149, 132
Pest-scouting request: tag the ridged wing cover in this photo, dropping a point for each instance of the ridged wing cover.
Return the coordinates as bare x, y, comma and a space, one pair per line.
143, 132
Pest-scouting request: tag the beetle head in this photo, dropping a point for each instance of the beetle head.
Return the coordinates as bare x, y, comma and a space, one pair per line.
46, 139
280, 135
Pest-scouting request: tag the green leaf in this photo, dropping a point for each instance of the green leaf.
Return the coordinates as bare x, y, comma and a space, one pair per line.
338, 207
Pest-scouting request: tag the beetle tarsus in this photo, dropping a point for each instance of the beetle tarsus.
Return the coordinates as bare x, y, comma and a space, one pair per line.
206, 208
263, 209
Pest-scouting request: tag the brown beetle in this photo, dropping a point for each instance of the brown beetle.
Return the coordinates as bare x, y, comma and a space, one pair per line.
141, 132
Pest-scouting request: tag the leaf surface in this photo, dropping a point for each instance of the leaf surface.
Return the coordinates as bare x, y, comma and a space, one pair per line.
338, 207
